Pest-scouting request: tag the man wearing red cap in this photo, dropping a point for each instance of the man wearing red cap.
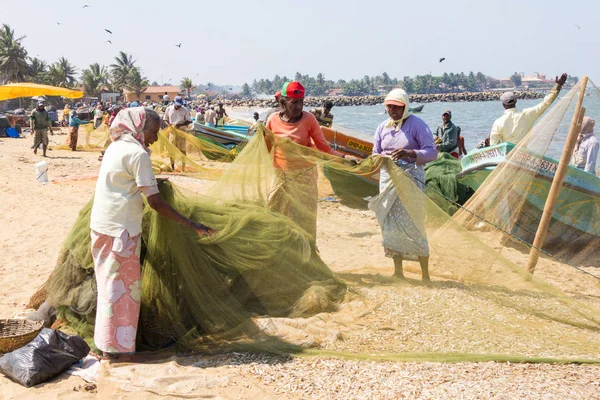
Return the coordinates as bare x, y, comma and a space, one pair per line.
296, 193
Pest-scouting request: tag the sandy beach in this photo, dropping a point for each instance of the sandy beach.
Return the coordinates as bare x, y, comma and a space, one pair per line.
37, 217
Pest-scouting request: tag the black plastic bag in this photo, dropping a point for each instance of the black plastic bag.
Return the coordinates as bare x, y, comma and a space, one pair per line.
49, 354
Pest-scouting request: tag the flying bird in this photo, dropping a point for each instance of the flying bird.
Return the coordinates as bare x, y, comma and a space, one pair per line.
86, 6
578, 27
109, 41
108, 31
58, 23
442, 59
179, 45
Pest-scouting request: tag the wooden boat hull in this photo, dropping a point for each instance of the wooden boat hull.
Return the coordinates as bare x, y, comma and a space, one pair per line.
352, 190
575, 224
347, 144
226, 137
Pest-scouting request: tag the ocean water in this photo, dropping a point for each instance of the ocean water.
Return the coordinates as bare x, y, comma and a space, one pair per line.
474, 118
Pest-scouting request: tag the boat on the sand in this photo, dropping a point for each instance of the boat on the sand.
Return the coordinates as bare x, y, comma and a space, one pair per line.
575, 225
228, 136
352, 190
347, 144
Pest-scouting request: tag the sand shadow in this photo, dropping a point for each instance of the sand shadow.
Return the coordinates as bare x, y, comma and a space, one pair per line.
268, 350
64, 158
374, 280
362, 234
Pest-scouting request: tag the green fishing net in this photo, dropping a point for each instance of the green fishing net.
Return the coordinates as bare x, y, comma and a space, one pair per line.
443, 187
289, 272
89, 139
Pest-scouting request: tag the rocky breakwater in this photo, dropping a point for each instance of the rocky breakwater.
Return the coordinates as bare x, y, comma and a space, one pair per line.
344, 101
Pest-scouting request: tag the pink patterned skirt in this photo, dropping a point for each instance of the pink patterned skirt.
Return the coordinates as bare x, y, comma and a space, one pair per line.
117, 270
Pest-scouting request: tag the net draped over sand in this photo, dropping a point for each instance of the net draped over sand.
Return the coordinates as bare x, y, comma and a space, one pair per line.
260, 282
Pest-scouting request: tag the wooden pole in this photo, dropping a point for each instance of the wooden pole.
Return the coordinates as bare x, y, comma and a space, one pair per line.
557, 182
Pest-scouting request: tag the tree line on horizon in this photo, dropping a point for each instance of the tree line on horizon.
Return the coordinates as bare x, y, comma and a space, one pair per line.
372, 85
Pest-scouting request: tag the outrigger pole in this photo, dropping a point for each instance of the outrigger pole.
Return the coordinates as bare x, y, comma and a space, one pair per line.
559, 178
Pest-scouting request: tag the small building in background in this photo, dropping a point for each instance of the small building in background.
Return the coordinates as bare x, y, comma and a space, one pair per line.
112, 97
536, 81
153, 93
530, 82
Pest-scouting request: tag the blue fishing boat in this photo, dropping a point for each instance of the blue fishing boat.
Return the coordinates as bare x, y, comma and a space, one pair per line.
228, 135
575, 222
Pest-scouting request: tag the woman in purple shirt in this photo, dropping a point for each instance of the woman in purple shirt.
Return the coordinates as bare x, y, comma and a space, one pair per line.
408, 141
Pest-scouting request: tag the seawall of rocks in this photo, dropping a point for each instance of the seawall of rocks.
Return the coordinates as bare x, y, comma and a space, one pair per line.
343, 101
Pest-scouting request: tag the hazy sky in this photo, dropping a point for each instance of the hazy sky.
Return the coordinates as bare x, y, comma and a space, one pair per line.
234, 41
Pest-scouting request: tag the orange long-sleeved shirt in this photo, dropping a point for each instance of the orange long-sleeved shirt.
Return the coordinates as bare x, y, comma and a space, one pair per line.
305, 132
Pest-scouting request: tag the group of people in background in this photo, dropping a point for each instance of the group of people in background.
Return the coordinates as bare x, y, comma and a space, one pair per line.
512, 126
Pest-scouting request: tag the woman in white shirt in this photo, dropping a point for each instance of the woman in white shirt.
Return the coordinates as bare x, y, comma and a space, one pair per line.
116, 227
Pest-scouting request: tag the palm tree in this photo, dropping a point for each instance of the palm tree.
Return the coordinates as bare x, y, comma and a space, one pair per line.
94, 79
37, 70
516, 79
122, 69
186, 83
61, 73
385, 79
481, 80
136, 83
320, 83
246, 91
13, 57
67, 72
53, 76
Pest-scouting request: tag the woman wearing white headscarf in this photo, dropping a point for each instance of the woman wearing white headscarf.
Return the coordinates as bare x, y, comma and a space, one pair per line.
408, 141
116, 227
586, 150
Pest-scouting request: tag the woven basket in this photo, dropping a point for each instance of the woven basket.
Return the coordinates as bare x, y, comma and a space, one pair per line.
16, 333
38, 298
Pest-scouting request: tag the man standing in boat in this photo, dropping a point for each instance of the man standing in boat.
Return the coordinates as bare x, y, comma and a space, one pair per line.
257, 122
446, 135
221, 114
210, 117
324, 115
200, 116
514, 125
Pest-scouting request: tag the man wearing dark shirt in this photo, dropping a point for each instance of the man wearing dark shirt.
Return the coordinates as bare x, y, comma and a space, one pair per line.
40, 124
446, 135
